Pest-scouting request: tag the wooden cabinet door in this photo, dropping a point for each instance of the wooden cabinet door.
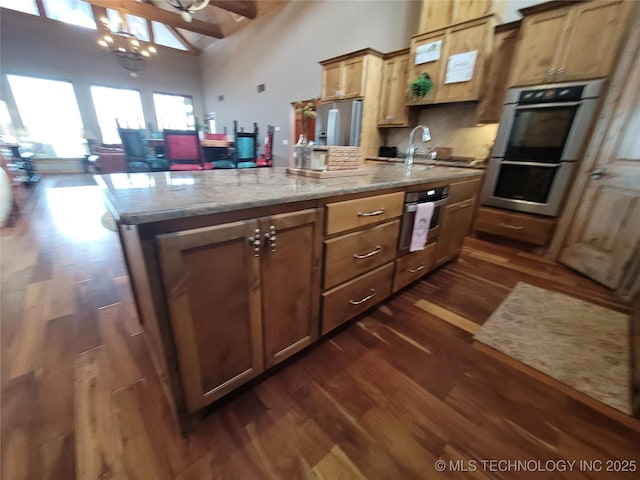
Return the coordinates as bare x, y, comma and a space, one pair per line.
290, 283
497, 76
435, 14
353, 77
393, 111
461, 39
464, 10
604, 207
456, 223
589, 48
537, 52
212, 285
331, 80
433, 69
388, 72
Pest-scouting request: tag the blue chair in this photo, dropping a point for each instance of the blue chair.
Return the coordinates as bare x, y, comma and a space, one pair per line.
246, 148
138, 155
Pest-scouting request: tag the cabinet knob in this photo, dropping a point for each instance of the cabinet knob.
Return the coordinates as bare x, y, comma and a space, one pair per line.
550, 73
254, 240
270, 238
597, 173
389, 118
560, 73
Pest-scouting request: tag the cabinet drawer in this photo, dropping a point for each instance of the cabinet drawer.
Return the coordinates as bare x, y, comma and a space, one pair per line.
413, 265
342, 216
354, 297
517, 226
463, 190
356, 253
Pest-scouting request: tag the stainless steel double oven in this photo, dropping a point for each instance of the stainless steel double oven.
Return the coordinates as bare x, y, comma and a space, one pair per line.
541, 135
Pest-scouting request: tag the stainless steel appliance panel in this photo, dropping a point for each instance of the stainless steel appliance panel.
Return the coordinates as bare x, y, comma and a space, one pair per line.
339, 123
541, 134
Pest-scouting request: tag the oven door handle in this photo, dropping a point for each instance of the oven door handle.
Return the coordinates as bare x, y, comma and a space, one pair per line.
524, 106
531, 164
412, 207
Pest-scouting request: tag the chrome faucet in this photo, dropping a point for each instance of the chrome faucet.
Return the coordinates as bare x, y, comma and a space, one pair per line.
411, 150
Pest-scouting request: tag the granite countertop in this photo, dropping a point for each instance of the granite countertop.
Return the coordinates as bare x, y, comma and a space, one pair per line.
462, 162
138, 198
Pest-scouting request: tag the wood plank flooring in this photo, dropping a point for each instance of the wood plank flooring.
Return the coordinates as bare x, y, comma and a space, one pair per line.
383, 398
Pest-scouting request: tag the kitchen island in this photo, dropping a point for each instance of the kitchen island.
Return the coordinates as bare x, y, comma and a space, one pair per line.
238, 270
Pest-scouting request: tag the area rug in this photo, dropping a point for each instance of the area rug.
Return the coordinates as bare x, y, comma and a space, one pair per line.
108, 222
580, 344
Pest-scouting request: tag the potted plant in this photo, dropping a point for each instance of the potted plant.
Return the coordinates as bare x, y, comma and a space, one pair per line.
306, 110
421, 86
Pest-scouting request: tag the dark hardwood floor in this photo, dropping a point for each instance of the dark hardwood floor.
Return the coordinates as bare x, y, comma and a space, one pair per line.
383, 398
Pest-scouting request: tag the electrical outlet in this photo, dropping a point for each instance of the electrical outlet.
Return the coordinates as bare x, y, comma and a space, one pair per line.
277, 129
285, 142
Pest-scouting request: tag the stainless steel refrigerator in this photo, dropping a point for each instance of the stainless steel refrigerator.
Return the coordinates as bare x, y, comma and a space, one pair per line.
339, 123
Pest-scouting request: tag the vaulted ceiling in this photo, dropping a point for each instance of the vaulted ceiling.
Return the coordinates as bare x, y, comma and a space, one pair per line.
217, 20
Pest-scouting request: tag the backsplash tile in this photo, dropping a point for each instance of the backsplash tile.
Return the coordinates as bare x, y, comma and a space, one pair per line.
451, 126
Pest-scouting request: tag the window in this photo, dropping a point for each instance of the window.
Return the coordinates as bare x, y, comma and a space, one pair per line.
50, 113
119, 104
25, 6
163, 36
174, 111
137, 25
75, 12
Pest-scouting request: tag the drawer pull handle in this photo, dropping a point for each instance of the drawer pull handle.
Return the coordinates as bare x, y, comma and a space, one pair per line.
365, 299
512, 227
371, 214
373, 252
465, 205
417, 269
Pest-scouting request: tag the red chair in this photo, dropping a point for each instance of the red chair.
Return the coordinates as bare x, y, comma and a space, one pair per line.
183, 150
266, 160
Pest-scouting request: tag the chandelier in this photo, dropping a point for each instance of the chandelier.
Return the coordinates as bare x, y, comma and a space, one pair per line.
125, 46
187, 7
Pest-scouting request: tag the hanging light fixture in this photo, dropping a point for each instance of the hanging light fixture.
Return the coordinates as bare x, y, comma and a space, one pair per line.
126, 47
187, 7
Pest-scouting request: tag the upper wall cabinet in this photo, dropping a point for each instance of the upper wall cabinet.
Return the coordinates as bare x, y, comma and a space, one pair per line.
357, 75
455, 77
576, 42
437, 14
345, 76
497, 76
393, 112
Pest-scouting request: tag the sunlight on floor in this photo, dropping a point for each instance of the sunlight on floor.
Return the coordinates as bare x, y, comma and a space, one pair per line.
76, 212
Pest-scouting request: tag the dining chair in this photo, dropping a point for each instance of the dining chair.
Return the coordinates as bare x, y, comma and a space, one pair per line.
183, 150
246, 146
137, 153
266, 160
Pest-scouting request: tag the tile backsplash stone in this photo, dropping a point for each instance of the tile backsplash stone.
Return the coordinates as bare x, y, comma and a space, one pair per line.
451, 126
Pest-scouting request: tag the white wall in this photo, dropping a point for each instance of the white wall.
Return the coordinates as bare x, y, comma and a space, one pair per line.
282, 50
30, 45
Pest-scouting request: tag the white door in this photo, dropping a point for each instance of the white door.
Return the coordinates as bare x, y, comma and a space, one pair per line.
603, 240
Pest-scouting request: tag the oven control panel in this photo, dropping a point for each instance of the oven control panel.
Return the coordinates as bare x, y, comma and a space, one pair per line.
551, 95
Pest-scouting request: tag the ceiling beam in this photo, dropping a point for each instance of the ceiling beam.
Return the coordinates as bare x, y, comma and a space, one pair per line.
246, 8
160, 15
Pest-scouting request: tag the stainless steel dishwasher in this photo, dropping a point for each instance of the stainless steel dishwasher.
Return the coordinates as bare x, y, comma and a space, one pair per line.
439, 196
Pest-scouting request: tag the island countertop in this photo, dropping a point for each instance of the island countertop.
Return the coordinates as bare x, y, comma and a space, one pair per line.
139, 198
